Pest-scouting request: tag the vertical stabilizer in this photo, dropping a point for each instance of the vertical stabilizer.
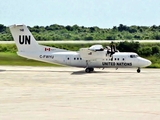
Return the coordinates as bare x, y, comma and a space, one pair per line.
25, 41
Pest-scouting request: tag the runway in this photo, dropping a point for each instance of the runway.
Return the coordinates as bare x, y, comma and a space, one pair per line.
65, 93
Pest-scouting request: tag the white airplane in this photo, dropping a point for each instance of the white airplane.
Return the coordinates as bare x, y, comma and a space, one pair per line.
88, 58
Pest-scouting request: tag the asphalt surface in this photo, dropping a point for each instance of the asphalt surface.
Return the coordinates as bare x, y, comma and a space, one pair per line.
65, 93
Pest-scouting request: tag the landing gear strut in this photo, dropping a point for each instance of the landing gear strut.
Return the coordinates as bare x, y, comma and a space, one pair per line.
138, 70
88, 70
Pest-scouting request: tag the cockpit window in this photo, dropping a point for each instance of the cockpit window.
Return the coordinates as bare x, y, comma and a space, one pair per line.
136, 55
133, 56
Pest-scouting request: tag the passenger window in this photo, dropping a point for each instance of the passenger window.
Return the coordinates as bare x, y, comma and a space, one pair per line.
114, 58
123, 59
77, 58
68, 58
80, 58
74, 58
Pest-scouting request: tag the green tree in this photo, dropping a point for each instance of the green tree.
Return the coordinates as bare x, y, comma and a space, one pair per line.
155, 49
2, 28
128, 46
145, 51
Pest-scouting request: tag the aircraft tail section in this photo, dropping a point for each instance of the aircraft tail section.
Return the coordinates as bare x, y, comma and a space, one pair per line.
26, 42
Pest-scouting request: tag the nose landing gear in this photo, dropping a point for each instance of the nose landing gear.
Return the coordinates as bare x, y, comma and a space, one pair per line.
138, 70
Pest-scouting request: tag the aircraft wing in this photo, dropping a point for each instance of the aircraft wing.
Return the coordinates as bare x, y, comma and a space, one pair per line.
93, 53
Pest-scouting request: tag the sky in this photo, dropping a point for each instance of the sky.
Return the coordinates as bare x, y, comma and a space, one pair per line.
88, 13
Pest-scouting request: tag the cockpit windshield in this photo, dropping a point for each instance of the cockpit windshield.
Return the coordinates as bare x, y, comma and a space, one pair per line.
133, 56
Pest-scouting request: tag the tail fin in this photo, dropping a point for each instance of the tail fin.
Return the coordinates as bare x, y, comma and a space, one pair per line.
25, 41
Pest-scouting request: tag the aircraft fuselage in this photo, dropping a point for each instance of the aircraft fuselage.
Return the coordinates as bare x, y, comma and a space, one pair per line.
118, 60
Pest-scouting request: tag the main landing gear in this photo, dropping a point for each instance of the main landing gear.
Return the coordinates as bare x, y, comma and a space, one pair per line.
88, 70
138, 70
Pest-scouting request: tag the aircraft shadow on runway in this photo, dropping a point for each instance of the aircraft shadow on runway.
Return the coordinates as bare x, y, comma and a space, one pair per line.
81, 72
2, 70
99, 72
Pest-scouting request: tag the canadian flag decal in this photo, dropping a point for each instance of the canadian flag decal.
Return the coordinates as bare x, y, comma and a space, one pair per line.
47, 49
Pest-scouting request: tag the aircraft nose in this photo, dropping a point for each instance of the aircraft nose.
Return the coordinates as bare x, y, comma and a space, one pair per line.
144, 62
147, 63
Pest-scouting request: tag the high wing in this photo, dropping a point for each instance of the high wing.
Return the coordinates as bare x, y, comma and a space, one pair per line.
94, 52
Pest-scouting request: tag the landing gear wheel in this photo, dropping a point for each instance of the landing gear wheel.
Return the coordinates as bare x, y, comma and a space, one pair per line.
88, 70
138, 70
92, 69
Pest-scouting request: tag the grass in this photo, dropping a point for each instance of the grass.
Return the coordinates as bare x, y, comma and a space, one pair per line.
155, 59
7, 58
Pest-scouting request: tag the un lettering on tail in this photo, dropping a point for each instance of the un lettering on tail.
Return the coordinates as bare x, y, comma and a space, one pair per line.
24, 39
